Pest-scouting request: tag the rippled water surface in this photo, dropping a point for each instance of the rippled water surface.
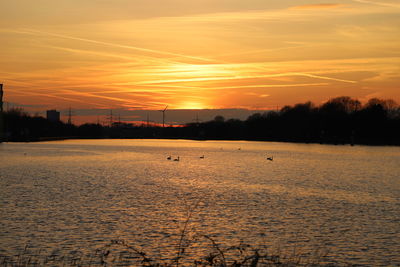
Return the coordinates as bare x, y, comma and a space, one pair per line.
80, 194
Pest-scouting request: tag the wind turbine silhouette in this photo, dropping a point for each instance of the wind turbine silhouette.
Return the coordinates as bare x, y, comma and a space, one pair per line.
163, 115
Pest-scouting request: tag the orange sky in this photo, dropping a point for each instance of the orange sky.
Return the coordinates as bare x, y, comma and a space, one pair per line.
253, 54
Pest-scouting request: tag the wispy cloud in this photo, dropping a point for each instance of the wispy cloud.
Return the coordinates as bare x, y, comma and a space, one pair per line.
269, 86
288, 14
318, 6
152, 51
379, 3
242, 77
58, 97
259, 51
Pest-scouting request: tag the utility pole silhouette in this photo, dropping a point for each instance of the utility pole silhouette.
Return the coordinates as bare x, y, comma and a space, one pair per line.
163, 115
197, 120
69, 116
111, 118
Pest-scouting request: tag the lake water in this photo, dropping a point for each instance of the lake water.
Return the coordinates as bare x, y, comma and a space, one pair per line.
78, 195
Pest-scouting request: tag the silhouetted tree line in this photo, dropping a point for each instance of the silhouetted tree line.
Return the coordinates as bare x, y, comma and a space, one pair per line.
341, 120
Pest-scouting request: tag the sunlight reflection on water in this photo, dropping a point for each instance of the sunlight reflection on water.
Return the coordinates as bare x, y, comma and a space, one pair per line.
80, 194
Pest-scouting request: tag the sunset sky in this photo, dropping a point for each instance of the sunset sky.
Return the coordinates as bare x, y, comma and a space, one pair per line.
196, 54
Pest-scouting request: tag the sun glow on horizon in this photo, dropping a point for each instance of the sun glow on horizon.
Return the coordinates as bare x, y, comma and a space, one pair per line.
191, 105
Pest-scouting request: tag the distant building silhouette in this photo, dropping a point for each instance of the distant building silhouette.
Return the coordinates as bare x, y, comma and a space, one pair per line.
53, 115
1, 97
1, 113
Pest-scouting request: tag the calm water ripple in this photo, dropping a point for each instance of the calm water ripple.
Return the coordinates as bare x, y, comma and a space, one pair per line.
77, 195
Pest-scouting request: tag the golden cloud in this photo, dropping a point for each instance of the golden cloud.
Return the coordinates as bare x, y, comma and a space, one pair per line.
318, 6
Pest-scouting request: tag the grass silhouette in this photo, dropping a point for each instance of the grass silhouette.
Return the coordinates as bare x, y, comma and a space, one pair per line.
118, 252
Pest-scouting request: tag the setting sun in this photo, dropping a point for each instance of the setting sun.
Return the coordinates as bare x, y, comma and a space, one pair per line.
191, 105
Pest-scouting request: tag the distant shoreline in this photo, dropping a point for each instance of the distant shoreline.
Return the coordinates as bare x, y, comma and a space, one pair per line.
50, 139
341, 120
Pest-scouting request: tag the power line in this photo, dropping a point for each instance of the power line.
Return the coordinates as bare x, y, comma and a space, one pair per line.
69, 116
110, 118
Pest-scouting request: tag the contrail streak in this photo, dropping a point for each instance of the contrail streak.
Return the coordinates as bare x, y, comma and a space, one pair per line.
136, 58
243, 86
262, 51
98, 96
268, 86
57, 97
244, 77
30, 31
